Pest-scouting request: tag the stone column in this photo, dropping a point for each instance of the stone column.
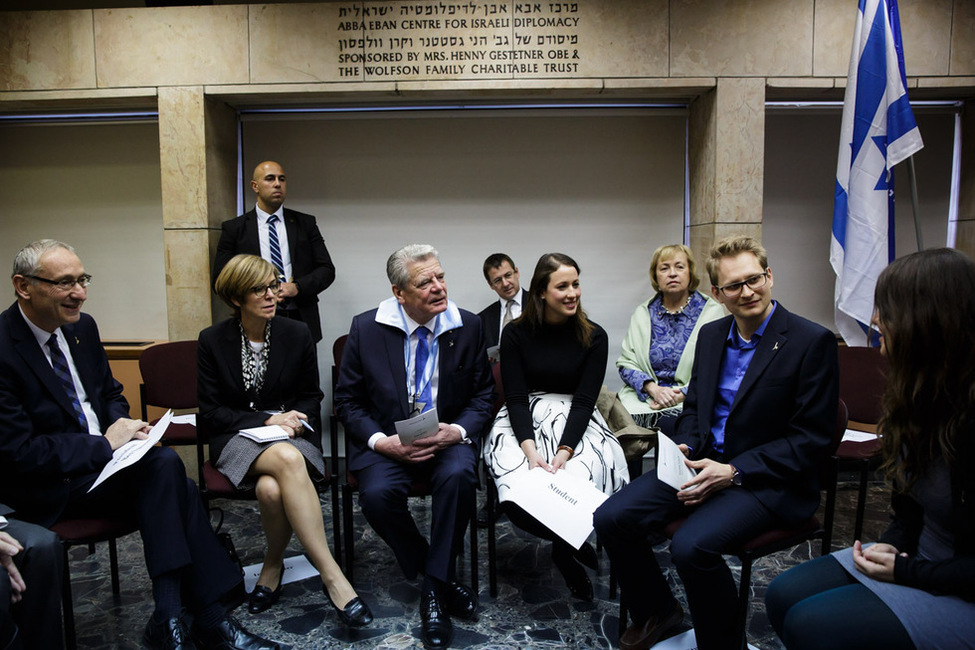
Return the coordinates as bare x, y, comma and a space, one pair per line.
727, 163
965, 225
197, 149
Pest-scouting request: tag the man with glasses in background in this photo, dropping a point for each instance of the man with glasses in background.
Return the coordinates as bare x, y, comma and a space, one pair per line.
62, 415
758, 419
502, 276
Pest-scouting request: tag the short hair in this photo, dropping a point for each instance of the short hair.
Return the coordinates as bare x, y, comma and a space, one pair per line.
732, 247
27, 260
240, 274
398, 264
668, 251
494, 261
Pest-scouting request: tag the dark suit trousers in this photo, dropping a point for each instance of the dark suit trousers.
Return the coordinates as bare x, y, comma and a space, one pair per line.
726, 520
38, 615
156, 494
383, 489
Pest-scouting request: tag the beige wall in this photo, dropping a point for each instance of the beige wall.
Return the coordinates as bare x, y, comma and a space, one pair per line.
196, 64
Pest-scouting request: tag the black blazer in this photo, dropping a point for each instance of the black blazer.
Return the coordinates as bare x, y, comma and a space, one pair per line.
372, 395
783, 417
42, 445
491, 320
291, 381
310, 262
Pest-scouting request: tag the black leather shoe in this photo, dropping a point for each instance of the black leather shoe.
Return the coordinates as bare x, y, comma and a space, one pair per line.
168, 635
438, 631
355, 613
262, 598
461, 601
572, 572
231, 635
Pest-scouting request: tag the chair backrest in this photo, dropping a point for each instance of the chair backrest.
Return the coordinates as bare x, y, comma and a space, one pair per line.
169, 375
498, 388
337, 348
863, 378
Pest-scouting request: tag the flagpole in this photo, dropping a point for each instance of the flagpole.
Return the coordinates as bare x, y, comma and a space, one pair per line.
912, 175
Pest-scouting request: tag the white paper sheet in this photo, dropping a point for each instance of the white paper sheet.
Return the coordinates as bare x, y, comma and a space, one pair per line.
188, 418
850, 435
295, 568
268, 433
133, 450
562, 501
420, 426
670, 463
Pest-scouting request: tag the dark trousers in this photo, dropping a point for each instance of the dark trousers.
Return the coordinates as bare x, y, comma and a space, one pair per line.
819, 605
38, 614
726, 520
156, 495
383, 490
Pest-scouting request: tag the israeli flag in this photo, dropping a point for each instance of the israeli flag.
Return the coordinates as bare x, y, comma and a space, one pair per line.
878, 131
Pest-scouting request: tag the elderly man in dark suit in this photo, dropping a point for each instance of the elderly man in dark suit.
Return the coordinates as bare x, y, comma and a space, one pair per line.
289, 240
62, 415
418, 351
502, 276
759, 416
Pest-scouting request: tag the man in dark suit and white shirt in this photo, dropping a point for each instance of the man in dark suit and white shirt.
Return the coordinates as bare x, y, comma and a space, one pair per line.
418, 351
62, 415
758, 418
288, 239
502, 276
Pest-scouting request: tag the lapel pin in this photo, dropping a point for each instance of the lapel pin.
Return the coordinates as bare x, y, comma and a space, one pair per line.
775, 347
76, 341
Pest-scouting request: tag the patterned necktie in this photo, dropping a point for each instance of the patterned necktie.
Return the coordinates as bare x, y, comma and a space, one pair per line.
60, 364
507, 313
423, 393
274, 244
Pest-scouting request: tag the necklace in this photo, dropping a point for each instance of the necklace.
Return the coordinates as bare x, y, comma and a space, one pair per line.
676, 312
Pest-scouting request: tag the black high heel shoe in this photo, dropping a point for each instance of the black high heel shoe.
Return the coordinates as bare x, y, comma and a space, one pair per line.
262, 598
572, 572
355, 613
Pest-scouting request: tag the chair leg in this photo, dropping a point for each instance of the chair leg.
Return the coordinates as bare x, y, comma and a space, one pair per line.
861, 499
829, 514
336, 520
622, 624
347, 531
492, 492
473, 532
744, 590
67, 604
113, 561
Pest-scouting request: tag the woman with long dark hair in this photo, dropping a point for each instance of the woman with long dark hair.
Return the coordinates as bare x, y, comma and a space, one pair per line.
553, 363
915, 588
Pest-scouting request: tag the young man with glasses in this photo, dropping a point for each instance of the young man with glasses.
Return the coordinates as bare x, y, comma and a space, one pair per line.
502, 277
759, 416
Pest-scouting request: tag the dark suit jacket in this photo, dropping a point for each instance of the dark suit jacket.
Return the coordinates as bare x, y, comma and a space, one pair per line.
372, 395
783, 418
42, 445
491, 320
311, 264
291, 381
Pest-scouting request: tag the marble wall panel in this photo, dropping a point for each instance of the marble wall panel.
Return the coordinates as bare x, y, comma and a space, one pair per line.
740, 150
171, 46
220, 123
963, 38
182, 154
187, 282
46, 50
287, 44
701, 153
743, 38
835, 21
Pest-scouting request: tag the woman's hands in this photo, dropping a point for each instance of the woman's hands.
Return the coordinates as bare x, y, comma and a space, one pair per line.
876, 561
290, 421
662, 396
535, 459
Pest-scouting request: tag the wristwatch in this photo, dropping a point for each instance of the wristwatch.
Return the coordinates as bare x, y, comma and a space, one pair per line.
735, 476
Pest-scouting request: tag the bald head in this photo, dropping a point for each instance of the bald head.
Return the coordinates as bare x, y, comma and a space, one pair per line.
270, 185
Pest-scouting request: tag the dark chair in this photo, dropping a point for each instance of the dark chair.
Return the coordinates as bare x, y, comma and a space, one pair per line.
417, 489
169, 381
863, 378
776, 539
491, 499
87, 532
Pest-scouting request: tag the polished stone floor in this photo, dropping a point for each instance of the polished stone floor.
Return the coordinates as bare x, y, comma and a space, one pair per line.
532, 609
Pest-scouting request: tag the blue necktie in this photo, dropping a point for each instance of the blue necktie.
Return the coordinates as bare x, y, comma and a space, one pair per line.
424, 394
274, 244
60, 364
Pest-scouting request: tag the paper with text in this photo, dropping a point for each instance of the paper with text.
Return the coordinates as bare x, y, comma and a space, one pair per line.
670, 463
132, 451
419, 426
295, 568
562, 501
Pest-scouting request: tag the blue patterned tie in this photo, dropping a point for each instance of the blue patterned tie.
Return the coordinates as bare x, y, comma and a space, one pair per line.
274, 244
60, 364
422, 354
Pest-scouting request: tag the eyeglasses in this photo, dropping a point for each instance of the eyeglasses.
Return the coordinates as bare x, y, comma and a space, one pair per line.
66, 284
261, 289
733, 290
503, 278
